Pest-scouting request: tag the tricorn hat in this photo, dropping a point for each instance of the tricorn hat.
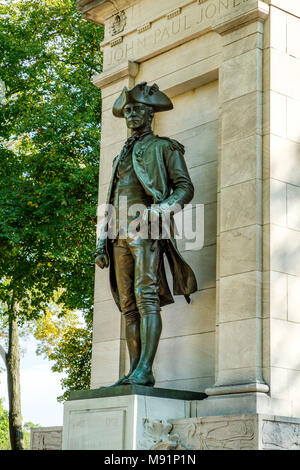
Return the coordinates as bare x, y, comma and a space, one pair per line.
144, 94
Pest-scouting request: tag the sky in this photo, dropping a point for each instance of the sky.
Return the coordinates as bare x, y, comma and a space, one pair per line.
39, 389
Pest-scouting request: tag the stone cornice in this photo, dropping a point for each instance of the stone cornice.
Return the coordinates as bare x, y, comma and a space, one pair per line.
99, 11
106, 78
168, 29
141, 28
258, 12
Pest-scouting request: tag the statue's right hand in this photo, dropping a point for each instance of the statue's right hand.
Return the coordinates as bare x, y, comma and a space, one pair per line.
102, 260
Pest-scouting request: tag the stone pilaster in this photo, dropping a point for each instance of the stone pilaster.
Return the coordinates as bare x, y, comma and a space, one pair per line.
281, 222
239, 267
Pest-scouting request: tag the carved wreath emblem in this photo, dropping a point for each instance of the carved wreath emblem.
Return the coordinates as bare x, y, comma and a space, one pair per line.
119, 23
157, 434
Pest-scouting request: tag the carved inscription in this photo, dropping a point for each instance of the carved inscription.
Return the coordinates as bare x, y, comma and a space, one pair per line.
105, 429
217, 7
179, 24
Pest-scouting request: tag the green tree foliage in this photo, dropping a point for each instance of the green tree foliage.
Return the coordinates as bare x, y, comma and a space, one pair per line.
49, 139
27, 433
73, 357
68, 343
4, 428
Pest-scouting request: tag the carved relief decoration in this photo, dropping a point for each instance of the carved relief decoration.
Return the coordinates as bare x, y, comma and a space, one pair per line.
281, 436
174, 13
116, 41
221, 435
157, 436
197, 434
144, 27
119, 23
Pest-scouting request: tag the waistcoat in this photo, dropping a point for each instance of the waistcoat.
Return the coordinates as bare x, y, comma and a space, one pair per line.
126, 184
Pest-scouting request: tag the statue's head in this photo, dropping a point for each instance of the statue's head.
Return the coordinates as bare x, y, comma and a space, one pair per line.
138, 115
139, 104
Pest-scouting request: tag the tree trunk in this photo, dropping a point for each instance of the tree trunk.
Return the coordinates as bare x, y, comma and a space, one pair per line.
14, 388
3, 355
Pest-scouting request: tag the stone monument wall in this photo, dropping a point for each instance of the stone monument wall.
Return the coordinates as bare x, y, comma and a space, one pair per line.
232, 68
281, 221
49, 438
188, 331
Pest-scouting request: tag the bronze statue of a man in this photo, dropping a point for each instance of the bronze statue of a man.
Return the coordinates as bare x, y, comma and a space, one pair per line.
149, 170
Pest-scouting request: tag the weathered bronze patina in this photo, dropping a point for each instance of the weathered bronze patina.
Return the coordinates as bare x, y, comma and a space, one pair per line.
149, 170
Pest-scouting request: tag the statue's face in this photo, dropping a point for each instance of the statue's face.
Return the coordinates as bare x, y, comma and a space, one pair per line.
137, 115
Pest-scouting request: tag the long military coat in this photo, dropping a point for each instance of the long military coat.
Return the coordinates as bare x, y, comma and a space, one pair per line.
160, 166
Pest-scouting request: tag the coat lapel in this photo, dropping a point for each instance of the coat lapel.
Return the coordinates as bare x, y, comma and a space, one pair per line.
112, 179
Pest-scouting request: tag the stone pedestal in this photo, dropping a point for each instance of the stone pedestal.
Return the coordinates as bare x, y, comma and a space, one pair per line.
232, 69
123, 418
142, 418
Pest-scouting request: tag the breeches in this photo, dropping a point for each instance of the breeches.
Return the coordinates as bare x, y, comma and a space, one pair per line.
136, 264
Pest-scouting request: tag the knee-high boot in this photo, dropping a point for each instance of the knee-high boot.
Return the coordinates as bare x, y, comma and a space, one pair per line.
151, 326
133, 340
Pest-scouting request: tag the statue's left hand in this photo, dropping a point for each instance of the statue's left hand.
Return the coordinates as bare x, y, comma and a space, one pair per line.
102, 260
